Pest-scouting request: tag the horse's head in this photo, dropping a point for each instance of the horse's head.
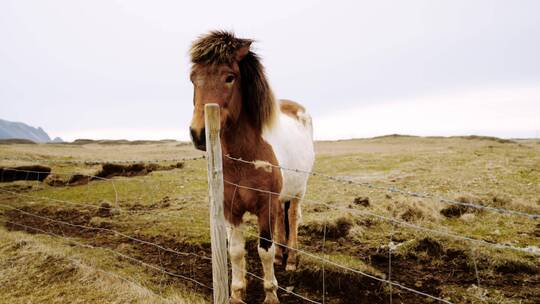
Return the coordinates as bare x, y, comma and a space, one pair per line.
216, 76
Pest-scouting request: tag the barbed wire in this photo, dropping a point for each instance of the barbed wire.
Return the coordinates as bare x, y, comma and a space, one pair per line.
108, 208
326, 260
323, 259
394, 220
281, 288
106, 230
114, 252
7, 169
133, 239
112, 180
98, 208
101, 161
112, 274
394, 189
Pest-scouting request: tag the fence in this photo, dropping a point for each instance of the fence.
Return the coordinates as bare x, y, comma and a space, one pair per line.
218, 258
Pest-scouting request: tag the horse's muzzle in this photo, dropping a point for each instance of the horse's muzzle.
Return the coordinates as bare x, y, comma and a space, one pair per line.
198, 139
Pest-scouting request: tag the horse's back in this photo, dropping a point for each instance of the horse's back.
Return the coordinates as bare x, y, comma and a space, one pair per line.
291, 138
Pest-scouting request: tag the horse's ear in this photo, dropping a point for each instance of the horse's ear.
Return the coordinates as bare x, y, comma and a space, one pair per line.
242, 51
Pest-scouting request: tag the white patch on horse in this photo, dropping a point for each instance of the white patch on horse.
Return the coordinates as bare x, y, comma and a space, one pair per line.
261, 164
292, 142
304, 118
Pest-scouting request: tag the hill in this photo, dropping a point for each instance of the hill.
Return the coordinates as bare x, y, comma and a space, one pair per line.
19, 130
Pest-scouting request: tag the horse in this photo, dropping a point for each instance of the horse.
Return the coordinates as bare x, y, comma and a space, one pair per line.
258, 129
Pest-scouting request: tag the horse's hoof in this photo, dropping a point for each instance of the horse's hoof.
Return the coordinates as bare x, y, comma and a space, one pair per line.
236, 301
271, 300
290, 267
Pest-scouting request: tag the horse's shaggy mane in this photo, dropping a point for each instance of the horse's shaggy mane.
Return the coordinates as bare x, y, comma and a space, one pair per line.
220, 47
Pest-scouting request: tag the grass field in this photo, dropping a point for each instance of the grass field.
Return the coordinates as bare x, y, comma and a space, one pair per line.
58, 261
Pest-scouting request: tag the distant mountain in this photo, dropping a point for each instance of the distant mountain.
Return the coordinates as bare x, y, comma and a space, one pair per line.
19, 130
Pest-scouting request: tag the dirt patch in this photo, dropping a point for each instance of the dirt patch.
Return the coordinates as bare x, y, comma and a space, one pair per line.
109, 170
26, 173
362, 201
72, 216
120, 142
78, 179
194, 266
104, 210
54, 180
335, 229
430, 246
458, 210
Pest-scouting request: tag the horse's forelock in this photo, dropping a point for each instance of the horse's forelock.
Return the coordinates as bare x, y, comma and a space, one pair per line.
216, 47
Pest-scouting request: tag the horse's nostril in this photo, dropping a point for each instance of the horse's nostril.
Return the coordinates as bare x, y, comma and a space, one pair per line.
198, 138
192, 134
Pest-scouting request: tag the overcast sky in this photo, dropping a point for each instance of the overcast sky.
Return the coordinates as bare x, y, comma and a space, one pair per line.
119, 69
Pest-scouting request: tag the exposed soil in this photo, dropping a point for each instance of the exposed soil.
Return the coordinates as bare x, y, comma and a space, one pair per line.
458, 210
109, 170
26, 173
415, 270
119, 142
362, 201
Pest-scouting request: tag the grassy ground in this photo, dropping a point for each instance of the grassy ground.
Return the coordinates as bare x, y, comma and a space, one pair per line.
170, 208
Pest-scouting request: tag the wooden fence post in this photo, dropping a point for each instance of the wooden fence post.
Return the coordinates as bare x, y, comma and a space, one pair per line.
218, 234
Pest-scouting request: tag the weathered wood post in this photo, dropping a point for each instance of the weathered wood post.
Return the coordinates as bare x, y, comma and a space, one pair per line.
218, 233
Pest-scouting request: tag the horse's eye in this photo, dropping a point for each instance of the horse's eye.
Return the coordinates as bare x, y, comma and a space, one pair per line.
229, 79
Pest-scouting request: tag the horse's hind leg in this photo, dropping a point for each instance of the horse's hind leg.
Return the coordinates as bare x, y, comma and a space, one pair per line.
294, 216
281, 233
266, 253
237, 253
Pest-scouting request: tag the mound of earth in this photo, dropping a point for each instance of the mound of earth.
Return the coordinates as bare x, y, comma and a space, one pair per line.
16, 141
109, 170
28, 173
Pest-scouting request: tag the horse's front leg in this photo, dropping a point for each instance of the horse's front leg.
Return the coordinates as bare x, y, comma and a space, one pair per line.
237, 254
267, 251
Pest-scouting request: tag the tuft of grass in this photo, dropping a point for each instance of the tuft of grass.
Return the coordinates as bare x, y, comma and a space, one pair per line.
335, 228
458, 210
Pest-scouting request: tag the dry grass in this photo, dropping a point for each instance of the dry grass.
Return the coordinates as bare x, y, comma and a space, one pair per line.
39, 269
504, 174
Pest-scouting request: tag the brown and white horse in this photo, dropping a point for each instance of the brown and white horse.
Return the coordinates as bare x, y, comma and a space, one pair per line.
254, 127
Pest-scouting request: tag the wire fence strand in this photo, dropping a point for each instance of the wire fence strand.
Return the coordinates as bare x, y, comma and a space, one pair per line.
105, 230
399, 222
114, 252
112, 274
100, 161
397, 190
324, 259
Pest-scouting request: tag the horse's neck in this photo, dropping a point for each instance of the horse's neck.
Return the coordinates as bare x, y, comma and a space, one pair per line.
241, 141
